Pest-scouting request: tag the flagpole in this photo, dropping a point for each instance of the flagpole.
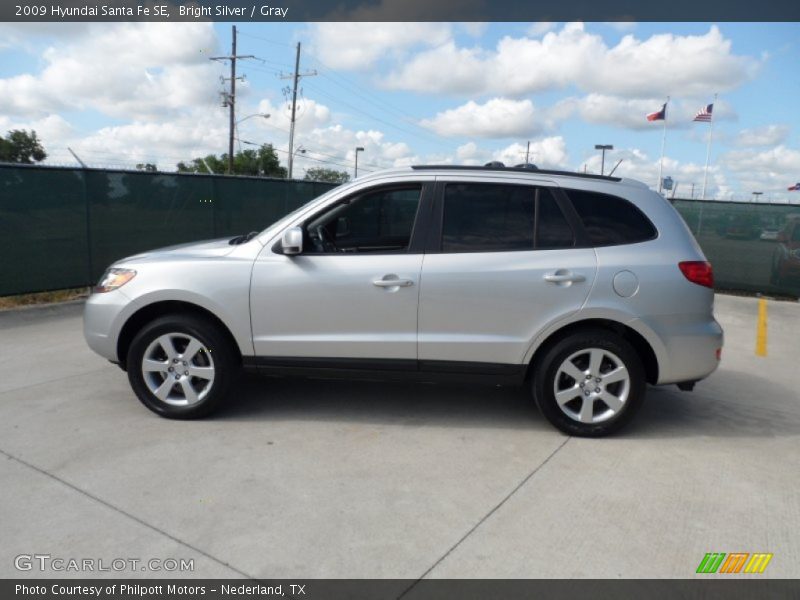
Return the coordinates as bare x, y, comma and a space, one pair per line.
663, 143
708, 150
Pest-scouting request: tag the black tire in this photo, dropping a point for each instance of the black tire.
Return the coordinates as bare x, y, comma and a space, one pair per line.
215, 353
612, 348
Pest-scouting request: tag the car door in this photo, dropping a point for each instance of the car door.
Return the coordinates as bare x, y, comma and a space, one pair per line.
353, 291
503, 261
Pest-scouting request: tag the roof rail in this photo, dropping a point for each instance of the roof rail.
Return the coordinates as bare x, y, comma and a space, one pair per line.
527, 168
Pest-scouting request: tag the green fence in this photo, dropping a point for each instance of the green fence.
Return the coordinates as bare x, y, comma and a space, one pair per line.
753, 247
60, 228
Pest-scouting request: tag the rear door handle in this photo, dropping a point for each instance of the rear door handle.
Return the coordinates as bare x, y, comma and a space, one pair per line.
562, 276
384, 283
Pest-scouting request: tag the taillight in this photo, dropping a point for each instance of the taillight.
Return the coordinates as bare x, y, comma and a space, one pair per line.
698, 271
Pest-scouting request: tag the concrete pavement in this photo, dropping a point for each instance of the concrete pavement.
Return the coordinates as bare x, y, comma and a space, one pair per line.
320, 479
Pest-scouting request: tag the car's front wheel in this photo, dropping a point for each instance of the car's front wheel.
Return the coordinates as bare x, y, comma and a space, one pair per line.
590, 383
181, 366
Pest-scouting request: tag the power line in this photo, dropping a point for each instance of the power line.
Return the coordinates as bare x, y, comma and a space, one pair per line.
364, 113
263, 39
361, 90
368, 96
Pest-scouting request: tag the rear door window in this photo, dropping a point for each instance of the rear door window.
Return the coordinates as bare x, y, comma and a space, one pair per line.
611, 220
481, 217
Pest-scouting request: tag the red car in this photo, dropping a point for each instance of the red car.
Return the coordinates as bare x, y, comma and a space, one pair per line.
786, 260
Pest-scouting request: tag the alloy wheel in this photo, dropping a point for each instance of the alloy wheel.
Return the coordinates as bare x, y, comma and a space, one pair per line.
178, 369
592, 385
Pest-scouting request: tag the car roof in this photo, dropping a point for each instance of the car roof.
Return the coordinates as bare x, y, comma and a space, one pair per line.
492, 169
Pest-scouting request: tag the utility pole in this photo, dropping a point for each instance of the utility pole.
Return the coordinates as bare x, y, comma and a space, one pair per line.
527, 152
230, 100
296, 77
692, 196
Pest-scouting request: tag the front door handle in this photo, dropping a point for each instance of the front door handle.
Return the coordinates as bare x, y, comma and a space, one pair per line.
564, 276
385, 283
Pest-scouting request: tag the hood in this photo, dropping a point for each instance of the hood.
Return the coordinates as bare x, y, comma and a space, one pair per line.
207, 248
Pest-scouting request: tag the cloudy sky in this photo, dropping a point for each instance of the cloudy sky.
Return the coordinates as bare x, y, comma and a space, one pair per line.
120, 94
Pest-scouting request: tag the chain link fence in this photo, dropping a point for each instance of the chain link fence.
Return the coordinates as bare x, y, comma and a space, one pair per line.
61, 227
753, 247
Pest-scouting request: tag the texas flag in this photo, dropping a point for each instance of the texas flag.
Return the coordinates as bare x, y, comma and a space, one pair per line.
795, 187
660, 115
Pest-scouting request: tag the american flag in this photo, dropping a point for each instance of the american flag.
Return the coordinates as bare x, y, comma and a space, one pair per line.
704, 114
795, 187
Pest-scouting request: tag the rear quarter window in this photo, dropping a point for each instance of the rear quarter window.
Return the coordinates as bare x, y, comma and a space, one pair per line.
611, 220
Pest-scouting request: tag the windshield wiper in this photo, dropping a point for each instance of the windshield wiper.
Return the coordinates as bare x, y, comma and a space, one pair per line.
241, 239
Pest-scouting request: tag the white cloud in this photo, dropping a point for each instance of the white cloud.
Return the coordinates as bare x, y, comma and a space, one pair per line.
474, 29
622, 25
128, 70
336, 145
51, 130
770, 171
548, 152
662, 64
310, 115
471, 154
357, 46
539, 29
769, 135
545, 153
496, 118
637, 164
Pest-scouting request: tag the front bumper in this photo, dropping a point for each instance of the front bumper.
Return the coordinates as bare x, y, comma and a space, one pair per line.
103, 317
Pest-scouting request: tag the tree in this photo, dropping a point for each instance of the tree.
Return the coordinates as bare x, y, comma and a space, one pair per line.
329, 175
148, 167
263, 162
19, 146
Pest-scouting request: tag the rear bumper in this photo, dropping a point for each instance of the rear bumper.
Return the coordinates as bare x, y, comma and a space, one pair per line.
690, 347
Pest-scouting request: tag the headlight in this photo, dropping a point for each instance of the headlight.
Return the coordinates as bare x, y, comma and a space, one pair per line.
113, 279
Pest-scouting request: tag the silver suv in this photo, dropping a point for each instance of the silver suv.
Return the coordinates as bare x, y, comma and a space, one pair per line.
586, 288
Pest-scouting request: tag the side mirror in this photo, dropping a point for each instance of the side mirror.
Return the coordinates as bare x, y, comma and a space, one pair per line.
292, 241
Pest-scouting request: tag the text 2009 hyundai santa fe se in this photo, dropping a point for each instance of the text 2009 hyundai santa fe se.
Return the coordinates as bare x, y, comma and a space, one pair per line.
583, 287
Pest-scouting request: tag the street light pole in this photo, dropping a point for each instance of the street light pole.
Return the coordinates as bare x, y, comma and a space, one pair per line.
236, 124
603, 148
358, 149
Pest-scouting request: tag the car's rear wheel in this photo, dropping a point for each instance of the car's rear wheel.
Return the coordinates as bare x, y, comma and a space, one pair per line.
181, 366
590, 383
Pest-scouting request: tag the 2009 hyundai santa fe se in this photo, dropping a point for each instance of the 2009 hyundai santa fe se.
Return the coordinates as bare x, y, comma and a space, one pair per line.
584, 287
